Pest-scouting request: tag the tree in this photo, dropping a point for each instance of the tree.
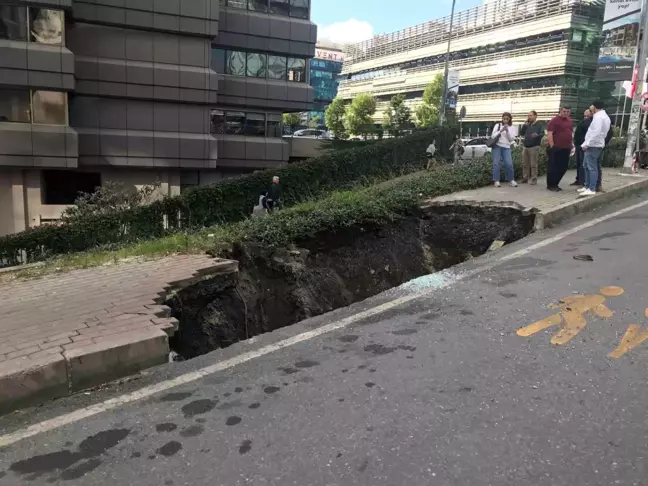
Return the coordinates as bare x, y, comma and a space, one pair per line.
427, 113
334, 117
398, 116
315, 122
359, 114
291, 120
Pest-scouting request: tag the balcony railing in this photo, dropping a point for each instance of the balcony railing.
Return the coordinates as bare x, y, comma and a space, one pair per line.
476, 20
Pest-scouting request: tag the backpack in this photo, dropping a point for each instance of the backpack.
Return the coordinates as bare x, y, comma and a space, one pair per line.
610, 134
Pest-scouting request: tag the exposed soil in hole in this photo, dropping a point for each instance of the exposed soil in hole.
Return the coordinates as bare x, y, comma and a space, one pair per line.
278, 288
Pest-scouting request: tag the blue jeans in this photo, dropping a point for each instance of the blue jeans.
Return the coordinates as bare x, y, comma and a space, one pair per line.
591, 163
499, 154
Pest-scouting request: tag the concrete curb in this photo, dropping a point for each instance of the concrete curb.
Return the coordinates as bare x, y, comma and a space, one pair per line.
102, 358
547, 219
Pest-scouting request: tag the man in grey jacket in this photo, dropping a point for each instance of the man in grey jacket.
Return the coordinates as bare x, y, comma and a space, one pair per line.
533, 132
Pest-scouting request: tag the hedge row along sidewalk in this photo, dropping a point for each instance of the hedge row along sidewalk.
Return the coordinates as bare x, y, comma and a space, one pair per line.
225, 202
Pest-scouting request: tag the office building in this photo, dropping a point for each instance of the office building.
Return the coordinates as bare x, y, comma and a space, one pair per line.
137, 91
511, 56
325, 69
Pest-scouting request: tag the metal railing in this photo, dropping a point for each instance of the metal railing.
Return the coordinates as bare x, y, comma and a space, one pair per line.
475, 20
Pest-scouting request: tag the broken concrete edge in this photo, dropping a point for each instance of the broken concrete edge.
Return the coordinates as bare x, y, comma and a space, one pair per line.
25, 383
525, 210
20, 268
579, 206
220, 267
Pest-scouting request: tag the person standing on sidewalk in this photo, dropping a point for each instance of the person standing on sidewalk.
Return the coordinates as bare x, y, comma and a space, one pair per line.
593, 147
532, 131
274, 195
561, 144
504, 133
579, 138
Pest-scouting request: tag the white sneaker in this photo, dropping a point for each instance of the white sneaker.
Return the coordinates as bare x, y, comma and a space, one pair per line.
582, 189
497, 184
513, 184
586, 193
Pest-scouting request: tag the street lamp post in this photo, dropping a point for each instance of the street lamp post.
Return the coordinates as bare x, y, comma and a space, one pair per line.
444, 98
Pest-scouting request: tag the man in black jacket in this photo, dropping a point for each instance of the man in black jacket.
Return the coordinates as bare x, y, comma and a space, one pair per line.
533, 132
274, 195
579, 138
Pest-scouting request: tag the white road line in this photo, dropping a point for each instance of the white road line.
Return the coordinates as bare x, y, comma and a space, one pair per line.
113, 403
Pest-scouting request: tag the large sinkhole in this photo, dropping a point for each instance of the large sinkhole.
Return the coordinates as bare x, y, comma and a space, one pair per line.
279, 287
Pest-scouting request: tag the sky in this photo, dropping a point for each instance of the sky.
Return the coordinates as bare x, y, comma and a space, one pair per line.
343, 21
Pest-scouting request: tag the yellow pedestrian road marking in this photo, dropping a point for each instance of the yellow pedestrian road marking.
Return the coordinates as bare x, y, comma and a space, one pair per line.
572, 316
632, 338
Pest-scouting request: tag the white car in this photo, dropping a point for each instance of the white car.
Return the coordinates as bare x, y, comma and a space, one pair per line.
312, 133
475, 149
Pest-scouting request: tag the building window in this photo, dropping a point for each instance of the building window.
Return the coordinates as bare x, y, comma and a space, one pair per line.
296, 69
46, 26
218, 122
235, 123
255, 124
218, 60
13, 23
237, 3
258, 5
274, 126
15, 106
235, 63
277, 67
299, 9
257, 65
249, 124
65, 186
280, 7
189, 179
49, 108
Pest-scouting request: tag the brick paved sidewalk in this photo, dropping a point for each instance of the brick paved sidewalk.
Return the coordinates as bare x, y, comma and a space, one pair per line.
551, 206
65, 332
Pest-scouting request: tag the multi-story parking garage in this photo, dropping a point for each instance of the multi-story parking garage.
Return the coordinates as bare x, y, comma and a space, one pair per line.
182, 92
512, 55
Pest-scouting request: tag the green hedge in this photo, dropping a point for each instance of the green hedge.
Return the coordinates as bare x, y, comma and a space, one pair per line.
227, 201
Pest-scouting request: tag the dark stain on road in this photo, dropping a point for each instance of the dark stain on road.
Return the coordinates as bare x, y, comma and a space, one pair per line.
233, 420
2, 474
175, 397
379, 349
306, 379
168, 482
404, 332
238, 389
606, 249
370, 384
605, 236
136, 455
245, 447
230, 405
254, 405
192, 431
166, 427
407, 348
509, 295
201, 420
372, 370
170, 449
90, 448
80, 470
227, 394
198, 407
363, 467
466, 389
466, 312
289, 371
349, 338
271, 389
307, 363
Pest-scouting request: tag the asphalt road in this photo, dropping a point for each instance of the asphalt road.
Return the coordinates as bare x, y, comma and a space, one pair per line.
439, 390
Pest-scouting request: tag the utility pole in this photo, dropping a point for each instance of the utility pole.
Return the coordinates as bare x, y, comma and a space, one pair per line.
634, 125
444, 98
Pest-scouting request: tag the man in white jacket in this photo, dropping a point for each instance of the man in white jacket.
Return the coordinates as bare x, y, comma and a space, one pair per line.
593, 147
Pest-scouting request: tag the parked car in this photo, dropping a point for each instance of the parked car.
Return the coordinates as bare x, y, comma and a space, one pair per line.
475, 148
312, 133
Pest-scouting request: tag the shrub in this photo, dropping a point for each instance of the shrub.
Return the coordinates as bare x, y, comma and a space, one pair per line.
227, 201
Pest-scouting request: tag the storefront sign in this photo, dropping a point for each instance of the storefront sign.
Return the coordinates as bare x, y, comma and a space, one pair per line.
329, 55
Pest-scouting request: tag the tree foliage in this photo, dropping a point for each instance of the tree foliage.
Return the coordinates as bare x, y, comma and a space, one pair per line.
334, 117
359, 115
427, 113
314, 122
398, 116
291, 120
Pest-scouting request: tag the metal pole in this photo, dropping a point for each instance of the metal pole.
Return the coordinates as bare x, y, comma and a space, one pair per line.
625, 103
634, 124
444, 98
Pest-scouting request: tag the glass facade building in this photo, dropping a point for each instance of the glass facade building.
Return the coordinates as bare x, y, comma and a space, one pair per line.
324, 78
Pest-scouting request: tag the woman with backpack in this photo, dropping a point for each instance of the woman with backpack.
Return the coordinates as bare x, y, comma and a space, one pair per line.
500, 142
